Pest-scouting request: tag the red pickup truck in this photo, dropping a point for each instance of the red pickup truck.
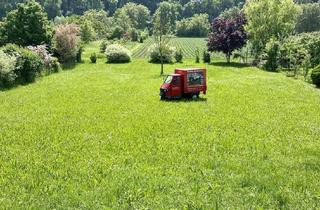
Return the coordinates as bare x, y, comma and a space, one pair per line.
184, 83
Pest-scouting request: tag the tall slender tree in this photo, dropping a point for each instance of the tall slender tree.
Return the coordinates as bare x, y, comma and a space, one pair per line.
162, 28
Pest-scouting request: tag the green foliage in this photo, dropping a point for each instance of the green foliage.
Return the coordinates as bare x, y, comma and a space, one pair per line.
29, 64
309, 19
295, 57
103, 46
99, 21
270, 19
309, 42
178, 55
87, 32
315, 76
117, 33
117, 54
93, 58
164, 54
7, 70
79, 54
206, 57
197, 53
54, 66
271, 55
230, 13
53, 8
3, 37
196, 26
137, 15
28, 25
164, 19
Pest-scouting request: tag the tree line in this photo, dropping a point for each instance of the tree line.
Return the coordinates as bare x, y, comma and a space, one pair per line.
186, 8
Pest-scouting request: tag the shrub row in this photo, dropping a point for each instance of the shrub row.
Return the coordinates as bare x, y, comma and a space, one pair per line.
22, 65
294, 52
296, 55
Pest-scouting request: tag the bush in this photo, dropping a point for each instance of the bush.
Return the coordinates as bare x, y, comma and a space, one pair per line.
87, 32
67, 42
42, 51
29, 64
93, 58
79, 54
103, 46
118, 54
206, 57
197, 53
178, 56
167, 54
116, 33
269, 59
54, 65
315, 76
7, 67
310, 42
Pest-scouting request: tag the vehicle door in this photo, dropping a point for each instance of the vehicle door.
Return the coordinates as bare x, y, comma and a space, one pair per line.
176, 86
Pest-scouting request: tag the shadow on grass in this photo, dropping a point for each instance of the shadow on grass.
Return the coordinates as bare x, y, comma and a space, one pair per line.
185, 100
232, 64
69, 66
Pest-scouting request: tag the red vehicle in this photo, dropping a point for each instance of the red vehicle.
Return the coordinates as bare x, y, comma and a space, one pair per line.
184, 83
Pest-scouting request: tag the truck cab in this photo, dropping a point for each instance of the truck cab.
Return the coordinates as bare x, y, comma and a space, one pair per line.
184, 83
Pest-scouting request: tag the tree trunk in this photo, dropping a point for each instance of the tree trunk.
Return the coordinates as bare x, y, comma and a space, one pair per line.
161, 71
228, 57
161, 56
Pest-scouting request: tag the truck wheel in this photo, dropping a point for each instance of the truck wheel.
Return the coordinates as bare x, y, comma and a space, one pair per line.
198, 95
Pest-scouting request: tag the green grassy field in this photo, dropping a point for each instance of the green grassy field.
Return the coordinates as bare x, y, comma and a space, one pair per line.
187, 45
98, 137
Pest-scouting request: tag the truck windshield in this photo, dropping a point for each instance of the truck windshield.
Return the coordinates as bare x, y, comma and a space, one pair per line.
168, 79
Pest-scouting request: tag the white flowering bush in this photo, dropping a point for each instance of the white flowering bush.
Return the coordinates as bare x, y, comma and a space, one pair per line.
7, 67
118, 54
167, 54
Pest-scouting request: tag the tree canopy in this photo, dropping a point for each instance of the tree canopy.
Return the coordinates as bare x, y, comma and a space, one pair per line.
270, 19
27, 25
228, 34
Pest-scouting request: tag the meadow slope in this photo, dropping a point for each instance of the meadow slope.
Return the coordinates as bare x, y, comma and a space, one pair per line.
98, 137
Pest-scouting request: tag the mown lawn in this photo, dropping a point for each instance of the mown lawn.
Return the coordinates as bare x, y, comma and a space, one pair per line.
98, 137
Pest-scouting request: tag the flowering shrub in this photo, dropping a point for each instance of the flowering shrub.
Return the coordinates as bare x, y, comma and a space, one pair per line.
118, 54
43, 53
29, 64
166, 51
67, 42
7, 67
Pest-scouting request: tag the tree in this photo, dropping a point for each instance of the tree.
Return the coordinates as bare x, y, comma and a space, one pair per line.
227, 35
309, 20
196, 26
269, 19
162, 27
53, 8
138, 15
87, 32
100, 22
27, 25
